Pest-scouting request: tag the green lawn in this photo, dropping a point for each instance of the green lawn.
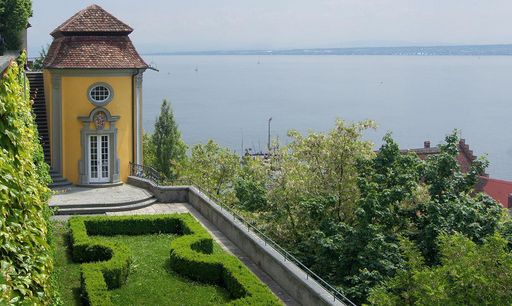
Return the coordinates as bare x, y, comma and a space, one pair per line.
151, 281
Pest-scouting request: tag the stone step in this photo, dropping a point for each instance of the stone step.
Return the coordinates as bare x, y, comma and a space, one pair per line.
104, 209
56, 185
58, 179
104, 205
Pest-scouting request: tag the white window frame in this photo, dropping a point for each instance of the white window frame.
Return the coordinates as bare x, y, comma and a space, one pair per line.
103, 102
100, 178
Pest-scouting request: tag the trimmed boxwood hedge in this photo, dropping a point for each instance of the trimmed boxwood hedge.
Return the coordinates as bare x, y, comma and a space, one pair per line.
106, 265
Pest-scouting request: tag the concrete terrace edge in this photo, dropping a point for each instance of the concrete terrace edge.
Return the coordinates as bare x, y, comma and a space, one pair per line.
288, 275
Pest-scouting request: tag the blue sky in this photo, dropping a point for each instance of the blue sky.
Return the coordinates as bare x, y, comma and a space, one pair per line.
186, 25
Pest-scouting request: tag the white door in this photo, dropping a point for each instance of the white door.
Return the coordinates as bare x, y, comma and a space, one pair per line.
99, 166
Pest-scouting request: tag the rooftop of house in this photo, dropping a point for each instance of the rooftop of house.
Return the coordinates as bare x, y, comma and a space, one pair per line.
429, 150
93, 39
92, 19
500, 190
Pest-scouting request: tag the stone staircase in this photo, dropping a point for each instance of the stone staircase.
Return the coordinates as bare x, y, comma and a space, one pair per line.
58, 181
36, 81
39, 109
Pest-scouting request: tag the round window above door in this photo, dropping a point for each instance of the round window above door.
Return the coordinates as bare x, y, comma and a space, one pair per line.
100, 94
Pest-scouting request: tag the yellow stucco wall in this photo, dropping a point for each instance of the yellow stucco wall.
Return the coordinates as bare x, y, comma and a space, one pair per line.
75, 103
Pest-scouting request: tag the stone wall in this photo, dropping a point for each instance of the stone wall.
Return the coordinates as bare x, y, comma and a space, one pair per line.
288, 275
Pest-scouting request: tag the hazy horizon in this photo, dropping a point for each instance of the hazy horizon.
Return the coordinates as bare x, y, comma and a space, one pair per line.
201, 25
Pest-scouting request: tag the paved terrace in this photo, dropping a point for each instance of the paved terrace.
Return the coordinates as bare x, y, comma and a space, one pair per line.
80, 197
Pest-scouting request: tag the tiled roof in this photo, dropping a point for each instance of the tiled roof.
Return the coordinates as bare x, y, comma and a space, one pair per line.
498, 190
90, 20
100, 52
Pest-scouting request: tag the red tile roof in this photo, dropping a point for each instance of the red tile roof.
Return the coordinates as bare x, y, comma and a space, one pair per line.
100, 52
95, 39
498, 190
92, 19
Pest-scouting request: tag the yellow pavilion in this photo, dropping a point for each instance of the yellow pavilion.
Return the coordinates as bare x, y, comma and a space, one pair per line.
93, 93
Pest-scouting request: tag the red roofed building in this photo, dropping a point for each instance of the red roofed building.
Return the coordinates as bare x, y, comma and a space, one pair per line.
499, 190
465, 157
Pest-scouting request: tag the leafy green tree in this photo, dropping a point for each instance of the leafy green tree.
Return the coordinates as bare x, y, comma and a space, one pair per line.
319, 165
454, 205
14, 16
168, 146
468, 274
213, 169
390, 190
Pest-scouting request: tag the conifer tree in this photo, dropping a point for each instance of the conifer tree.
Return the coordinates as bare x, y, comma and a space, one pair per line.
168, 144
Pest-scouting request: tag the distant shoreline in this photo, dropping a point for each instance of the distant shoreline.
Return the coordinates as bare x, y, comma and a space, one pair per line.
463, 50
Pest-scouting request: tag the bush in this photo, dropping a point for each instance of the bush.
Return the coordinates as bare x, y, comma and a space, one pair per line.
25, 255
192, 256
106, 265
469, 274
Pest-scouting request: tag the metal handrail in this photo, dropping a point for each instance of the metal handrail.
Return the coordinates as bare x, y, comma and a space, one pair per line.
267, 240
153, 175
145, 172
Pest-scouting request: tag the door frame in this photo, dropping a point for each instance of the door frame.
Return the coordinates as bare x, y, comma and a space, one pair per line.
113, 160
99, 158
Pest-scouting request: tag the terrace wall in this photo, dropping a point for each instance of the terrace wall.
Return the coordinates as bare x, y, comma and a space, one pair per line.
288, 275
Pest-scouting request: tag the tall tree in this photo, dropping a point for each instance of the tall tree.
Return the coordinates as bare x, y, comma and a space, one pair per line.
390, 191
454, 205
168, 145
14, 16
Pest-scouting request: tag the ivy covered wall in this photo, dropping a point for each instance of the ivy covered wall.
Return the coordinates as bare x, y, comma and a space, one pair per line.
25, 253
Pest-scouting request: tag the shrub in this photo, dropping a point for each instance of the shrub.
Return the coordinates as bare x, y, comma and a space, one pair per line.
106, 265
192, 256
25, 255
468, 274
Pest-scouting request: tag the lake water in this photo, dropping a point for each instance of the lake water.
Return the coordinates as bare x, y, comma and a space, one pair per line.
230, 98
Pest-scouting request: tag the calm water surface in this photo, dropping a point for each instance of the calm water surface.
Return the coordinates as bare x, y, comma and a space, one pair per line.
230, 98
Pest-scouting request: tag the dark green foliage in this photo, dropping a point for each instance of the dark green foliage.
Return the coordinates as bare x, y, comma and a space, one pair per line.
167, 144
453, 206
14, 16
25, 255
388, 185
443, 175
476, 217
191, 255
468, 274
